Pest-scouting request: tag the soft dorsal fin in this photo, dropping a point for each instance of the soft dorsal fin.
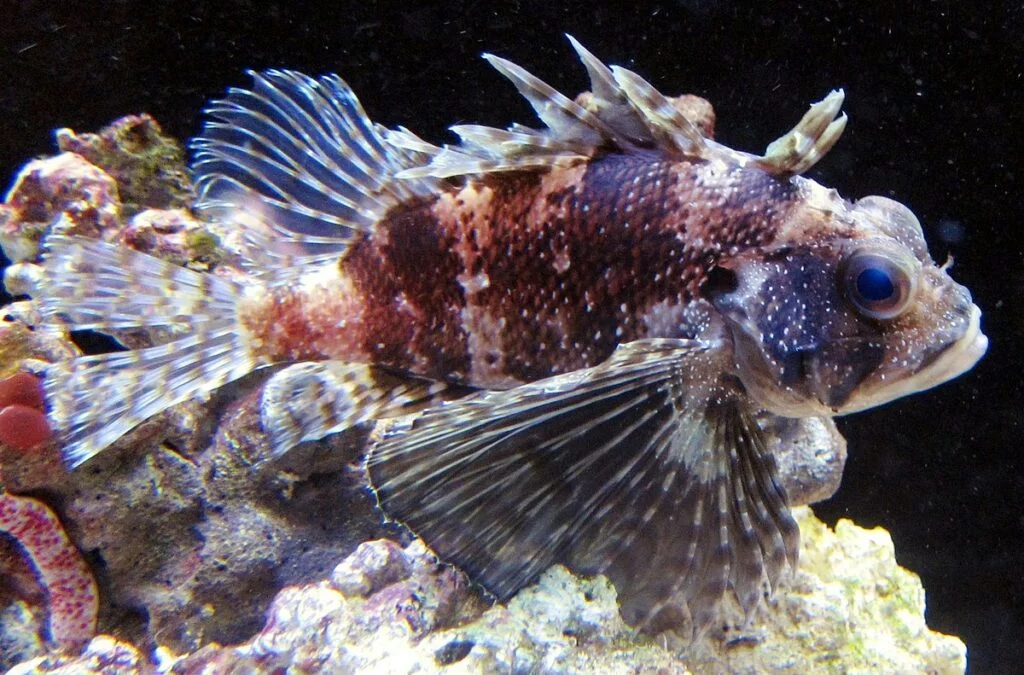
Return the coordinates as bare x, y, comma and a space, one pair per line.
300, 155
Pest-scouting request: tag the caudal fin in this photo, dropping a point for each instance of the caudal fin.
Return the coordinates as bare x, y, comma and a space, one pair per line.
94, 285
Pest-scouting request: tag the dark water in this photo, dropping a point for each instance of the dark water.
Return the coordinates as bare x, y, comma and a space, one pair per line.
935, 105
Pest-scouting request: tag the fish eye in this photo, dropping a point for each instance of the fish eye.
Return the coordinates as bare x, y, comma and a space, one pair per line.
877, 284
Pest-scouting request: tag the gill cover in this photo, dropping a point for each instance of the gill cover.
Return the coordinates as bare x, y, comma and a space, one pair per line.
801, 348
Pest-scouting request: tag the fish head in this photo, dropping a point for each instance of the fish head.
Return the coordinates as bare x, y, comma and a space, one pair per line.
845, 310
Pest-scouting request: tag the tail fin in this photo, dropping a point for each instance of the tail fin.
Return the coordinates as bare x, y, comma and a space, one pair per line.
94, 400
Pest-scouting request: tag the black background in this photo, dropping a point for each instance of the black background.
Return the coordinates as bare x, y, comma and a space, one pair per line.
934, 98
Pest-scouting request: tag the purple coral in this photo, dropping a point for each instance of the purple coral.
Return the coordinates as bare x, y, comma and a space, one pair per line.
74, 601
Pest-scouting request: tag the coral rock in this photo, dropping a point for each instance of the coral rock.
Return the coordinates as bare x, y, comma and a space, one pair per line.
373, 565
64, 193
174, 235
811, 454
148, 166
102, 656
849, 609
68, 581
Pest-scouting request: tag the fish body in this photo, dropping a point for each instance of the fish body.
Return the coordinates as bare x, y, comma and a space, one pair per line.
577, 327
527, 276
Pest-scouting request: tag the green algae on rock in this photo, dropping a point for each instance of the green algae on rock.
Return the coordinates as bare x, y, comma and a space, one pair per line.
149, 167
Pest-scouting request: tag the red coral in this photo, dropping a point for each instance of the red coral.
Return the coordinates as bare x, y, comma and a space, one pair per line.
21, 388
23, 423
74, 601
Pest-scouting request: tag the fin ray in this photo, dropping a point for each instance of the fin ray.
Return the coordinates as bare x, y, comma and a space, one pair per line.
303, 151
667, 125
640, 468
96, 285
621, 113
95, 400
810, 140
567, 120
89, 284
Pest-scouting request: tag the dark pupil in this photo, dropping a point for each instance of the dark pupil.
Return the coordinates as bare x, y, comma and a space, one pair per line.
874, 285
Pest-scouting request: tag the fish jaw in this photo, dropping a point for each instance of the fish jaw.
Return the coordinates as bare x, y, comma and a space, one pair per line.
955, 360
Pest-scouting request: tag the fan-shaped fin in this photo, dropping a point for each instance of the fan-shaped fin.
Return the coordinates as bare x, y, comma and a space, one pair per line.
300, 153
643, 468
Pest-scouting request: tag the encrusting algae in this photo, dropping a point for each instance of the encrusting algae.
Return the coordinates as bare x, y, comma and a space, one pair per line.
586, 339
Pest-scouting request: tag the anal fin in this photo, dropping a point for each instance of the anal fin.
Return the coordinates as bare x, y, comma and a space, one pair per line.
89, 284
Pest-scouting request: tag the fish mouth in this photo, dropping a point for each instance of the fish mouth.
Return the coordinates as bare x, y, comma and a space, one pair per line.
959, 357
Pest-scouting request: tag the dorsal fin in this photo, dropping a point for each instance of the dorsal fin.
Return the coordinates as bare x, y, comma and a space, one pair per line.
621, 113
607, 100
667, 125
809, 141
566, 120
299, 153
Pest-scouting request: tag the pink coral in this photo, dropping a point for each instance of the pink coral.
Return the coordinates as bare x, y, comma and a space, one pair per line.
74, 601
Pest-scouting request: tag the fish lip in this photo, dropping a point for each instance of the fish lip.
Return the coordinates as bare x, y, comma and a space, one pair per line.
959, 357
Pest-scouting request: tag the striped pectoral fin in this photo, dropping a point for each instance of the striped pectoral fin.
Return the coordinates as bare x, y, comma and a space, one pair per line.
308, 401
644, 468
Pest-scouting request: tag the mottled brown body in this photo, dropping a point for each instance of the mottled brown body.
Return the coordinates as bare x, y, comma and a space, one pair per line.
515, 277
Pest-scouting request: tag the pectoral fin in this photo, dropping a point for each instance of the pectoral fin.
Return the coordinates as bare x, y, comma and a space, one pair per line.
646, 468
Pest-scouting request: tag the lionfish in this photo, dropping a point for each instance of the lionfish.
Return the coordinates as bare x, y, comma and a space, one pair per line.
577, 327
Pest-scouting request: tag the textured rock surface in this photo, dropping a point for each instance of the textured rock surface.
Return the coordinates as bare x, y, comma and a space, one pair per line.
850, 609
811, 455
148, 166
188, 527
64, 193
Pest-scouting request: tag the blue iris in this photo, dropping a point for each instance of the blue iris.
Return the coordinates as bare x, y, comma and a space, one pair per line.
875, 285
